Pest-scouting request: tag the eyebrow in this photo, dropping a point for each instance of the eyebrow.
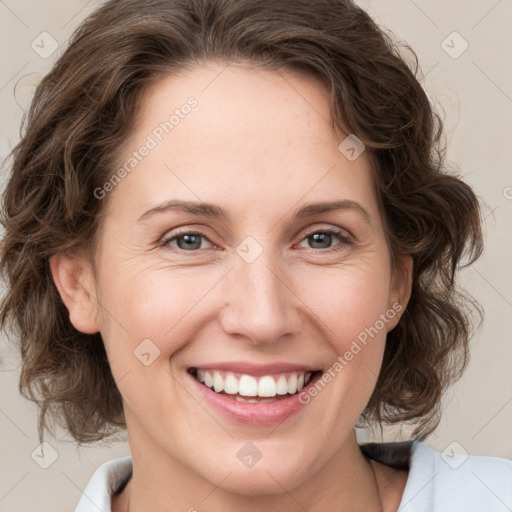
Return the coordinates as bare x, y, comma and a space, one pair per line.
216, 212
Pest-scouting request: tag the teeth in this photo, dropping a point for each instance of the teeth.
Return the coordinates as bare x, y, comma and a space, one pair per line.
267, 387
231, 384
218, 382
292, 384
248, 386
300, 382
254, 400
282, 386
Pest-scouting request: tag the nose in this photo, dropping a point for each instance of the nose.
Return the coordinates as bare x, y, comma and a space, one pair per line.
259, 303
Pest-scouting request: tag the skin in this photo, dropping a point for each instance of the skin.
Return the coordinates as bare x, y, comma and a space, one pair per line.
260, 146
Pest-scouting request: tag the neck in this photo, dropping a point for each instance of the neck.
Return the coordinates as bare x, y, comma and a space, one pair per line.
346, 482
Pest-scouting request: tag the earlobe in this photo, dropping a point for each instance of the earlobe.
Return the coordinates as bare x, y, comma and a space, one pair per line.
401, 290
74, 281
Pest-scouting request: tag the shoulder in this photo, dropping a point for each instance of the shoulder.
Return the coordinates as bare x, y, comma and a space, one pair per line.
446, 481
454, 482
106, 480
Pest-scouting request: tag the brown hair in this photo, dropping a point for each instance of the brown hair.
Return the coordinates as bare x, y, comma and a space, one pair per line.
84, 109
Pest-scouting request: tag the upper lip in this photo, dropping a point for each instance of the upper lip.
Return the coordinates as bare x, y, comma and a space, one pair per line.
256, 369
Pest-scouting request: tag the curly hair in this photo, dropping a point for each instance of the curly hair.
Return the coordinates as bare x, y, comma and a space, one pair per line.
85, 108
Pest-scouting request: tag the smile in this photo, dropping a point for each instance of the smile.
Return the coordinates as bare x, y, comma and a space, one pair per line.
252, 389
253, 394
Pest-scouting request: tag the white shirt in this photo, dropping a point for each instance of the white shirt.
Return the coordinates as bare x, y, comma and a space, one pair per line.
437, 482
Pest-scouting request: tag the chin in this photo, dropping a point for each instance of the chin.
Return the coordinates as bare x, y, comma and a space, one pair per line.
263, 478
259, 483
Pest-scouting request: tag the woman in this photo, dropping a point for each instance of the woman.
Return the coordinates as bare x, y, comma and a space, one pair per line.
230, 230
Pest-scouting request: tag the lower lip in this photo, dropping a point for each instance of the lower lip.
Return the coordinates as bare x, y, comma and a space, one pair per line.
253, 414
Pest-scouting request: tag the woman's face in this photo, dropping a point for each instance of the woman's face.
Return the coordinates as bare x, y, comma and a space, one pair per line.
259, 297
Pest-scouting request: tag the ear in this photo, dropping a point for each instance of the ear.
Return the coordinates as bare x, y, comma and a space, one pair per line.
74, 279
400, 290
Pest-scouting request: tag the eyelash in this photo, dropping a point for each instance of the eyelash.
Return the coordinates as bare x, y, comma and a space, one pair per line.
339, 234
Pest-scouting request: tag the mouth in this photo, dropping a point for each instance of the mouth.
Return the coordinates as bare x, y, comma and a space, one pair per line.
251, 389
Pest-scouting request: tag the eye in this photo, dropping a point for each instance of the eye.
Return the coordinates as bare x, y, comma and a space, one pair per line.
191, 241
186, 241
322, 239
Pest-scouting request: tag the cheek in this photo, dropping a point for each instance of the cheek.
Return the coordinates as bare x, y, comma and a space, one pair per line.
349, 304
348, 300
158, 303
147, 323
151, 304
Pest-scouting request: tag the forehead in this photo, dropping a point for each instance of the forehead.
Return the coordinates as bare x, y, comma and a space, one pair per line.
250, 134
237, 103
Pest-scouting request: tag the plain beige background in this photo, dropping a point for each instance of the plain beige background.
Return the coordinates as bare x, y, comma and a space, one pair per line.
474, 87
